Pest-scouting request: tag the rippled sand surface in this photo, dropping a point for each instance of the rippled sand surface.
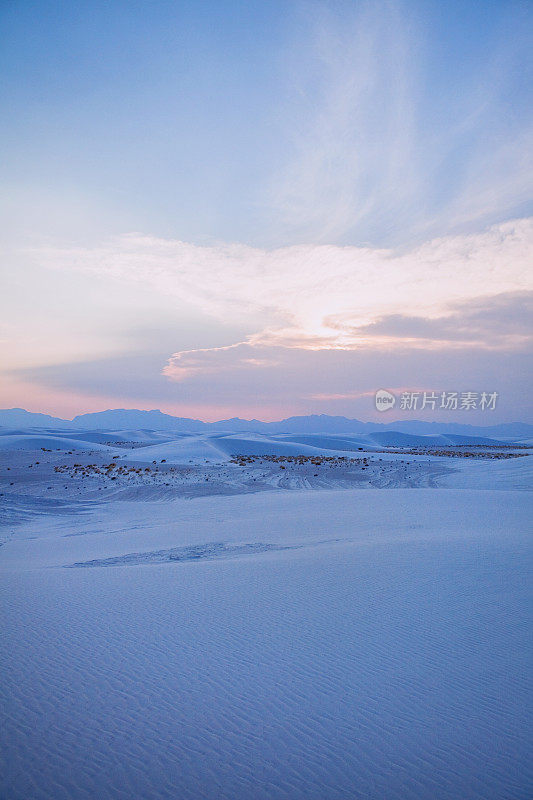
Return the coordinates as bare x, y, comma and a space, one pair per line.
305, 644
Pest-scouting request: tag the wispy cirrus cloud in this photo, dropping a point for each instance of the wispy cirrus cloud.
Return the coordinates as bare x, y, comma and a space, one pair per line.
381, 149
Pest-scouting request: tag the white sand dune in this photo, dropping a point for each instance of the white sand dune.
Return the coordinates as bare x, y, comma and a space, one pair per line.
139, 436
32, 441
258, 445
398, 439
181, 451
201, 446
331, 442
265, 644
220, 448
515, 473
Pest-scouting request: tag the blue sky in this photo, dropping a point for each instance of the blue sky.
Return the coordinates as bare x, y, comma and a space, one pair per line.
181, 178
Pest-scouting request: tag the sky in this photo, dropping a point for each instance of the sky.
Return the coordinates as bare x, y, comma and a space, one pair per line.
258, 209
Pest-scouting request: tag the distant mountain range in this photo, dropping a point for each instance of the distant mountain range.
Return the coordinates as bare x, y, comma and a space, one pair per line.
133, 419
